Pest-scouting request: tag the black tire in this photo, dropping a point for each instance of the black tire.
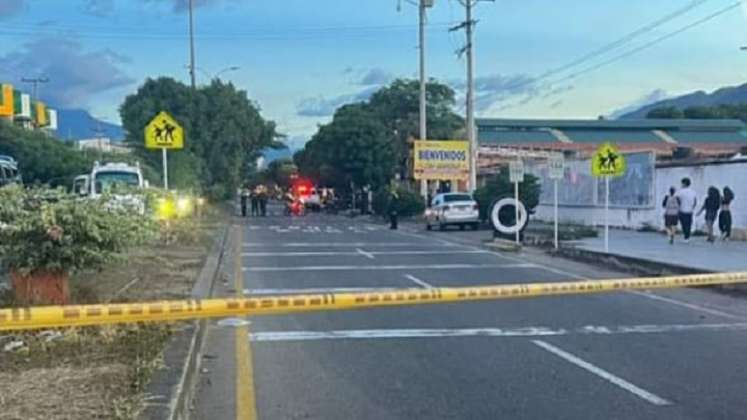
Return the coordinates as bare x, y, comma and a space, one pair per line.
475, 226
428, 226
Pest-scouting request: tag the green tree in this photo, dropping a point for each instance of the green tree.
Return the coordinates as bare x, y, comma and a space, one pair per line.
224, 132
702, 112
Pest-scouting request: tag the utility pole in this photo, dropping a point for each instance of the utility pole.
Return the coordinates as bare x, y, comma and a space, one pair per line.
423, 124
192, 77
35, 81
469, 25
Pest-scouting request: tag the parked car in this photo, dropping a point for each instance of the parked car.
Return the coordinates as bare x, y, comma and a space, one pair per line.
453, 209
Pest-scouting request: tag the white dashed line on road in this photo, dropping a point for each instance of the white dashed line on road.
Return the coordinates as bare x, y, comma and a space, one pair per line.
338, 244
387, 267
622, 383
536, 331
345, 253
419, 282
365, 254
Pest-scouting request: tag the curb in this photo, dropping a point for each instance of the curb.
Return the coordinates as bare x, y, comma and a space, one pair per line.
638, 266
169, 393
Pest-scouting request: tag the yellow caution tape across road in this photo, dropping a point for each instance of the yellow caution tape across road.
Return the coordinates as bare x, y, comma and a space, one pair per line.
81, 315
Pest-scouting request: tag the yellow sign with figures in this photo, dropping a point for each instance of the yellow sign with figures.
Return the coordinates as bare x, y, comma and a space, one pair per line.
441, 160
163, 132
607, 161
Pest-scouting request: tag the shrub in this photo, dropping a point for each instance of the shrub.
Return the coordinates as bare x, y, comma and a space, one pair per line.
49, 230
500, 186
409, 204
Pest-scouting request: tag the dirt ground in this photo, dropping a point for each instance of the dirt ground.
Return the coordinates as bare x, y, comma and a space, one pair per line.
101, 372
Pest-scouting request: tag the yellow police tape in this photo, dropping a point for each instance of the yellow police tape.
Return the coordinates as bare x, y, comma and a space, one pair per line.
81, 315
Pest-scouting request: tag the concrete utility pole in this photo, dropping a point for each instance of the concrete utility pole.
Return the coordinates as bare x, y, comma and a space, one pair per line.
192, 77
35, 81
423, 124
468, 25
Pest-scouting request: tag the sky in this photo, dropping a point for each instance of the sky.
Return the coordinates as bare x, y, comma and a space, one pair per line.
300, 59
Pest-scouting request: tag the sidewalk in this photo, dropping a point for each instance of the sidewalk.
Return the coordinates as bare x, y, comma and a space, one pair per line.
654, 247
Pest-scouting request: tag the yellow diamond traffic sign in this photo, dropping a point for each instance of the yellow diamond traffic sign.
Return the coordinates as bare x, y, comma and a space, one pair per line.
163, 132
607, 161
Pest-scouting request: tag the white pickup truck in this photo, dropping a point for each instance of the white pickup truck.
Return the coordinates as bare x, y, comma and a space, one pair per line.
118, 180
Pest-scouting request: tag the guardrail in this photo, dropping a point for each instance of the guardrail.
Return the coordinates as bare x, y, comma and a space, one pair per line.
163, 311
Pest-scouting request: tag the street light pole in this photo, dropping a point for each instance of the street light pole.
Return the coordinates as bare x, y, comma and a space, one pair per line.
192, 77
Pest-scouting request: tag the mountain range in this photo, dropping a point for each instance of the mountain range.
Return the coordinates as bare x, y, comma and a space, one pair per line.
75, 124
730, 95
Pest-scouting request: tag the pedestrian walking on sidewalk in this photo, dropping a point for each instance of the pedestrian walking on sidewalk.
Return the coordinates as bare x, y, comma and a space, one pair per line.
671, 206
710, 207
688, 203
724, 216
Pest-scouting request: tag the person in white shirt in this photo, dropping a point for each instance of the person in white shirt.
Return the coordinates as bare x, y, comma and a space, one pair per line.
688, 202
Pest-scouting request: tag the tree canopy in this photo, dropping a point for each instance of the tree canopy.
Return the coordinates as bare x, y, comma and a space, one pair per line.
738, 111
224, 132
369, 142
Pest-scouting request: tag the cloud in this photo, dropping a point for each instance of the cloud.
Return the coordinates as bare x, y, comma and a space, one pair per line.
654, 96
494, 89
74, 74
324, 107
376, 76
10, 8
99, 8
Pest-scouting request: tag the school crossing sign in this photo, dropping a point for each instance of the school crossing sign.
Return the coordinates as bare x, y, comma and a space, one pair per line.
163, 132
607, 161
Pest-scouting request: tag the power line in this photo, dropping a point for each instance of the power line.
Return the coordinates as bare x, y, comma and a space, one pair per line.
652, 42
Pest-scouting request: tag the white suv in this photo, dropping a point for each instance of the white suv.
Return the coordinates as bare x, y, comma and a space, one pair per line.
458, 209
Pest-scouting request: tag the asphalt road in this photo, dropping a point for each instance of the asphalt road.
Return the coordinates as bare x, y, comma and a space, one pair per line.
633, 355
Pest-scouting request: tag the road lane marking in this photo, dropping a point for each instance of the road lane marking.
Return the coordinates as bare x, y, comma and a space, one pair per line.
692, 306
419, 282
616, 380
647, 295
386, 267
246, 402
533, 331
347, 253
338, 244
365, 254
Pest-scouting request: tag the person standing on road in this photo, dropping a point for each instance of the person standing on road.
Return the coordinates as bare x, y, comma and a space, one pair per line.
262, 198
710, 207
671, 206
255, 202
244, 198
688, 203
393, 207
724, 216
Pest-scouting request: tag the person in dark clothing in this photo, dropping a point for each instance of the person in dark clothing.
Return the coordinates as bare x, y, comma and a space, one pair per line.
710, 207
244, 198
671, 206
724, 216
262, 199
393, 206
255, 202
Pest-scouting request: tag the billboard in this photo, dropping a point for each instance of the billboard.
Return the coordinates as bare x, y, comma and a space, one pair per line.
6, 100
40, 114
441, 160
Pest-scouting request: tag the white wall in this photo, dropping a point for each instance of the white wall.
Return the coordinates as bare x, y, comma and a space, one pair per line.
731, 174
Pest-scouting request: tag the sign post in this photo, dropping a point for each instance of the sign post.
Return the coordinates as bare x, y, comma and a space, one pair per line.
163, 132
516, 175
557, 171
607, 162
